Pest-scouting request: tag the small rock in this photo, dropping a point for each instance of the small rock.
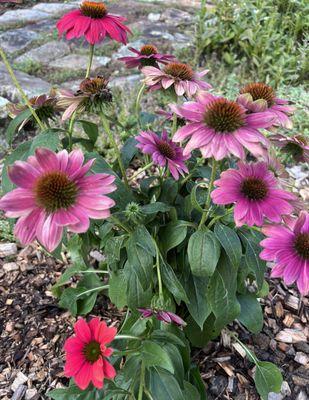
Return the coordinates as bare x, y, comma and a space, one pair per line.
291, 336
7, 249
285, 389
45, 53
11, 266
19, 380
77, 62
301, 358
217, 385
9, 327
301, 396
97, 255
176, 17
3, 109
275, 396
124, 50
302, 346
154, 17
17, 39
125, 81
19, 392
30, 393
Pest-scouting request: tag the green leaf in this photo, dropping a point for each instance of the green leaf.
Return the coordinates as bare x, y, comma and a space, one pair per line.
49, 138
254, 263
193, 197
154, 208
200, 337
113, 247
163, 385
91, 130
173, 234
191, 391
155, 355
128, 151
251, 314
169, 191
172, 283
203, 253
166, 337
230, 242
267, 379
137, 294
70, 393
195, 377
15, 123
118, 288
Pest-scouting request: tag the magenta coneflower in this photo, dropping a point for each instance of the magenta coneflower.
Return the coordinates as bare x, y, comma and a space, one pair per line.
255, 192
219, 127
165, 316
163, 151
296, 146
259, 97
288, 247
54, 192
148, 55
93, 21
180, 76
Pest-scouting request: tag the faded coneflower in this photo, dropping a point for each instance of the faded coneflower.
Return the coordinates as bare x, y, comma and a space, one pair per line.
148, 55
87, 352
259, 97
295, 146
219, 127
162, 315
177, 75
93, 96
163, 152
93, 21
54, 192
255, 192
288, 247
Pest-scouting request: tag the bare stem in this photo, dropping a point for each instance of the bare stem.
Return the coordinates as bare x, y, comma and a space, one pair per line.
207, 204
90, 61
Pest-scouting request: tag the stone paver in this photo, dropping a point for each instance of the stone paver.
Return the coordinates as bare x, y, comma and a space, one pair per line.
21, 17
56, 9
3, 103
31, 85
76, 62
17, 39
46, 53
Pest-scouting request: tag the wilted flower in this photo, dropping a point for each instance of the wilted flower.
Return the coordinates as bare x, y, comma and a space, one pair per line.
148, 55
163, 152
259, 97
181, 76
54, 192
288, 247
161, 315
93, 96
219, 127
93, 21
295, 146
86, 353
255, 192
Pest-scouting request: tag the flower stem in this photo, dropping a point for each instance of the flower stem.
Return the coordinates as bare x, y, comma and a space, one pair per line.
90, 60
107, 129
138, 104
218, 217
96, 289
127, 337
140, 171
158, 270
19, 88
70, 130
142, 382
174, 126
207, 204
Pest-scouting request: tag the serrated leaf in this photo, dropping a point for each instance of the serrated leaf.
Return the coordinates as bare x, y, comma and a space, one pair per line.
251, 315
230, 242
155, 355
267, 379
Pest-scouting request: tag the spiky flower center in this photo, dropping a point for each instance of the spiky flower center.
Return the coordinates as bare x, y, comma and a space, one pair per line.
93, 85
166, 150
301, 245
55, 191
294, 149
260, 90
254, 189
179, 71
148, 50
224, 116
92, 351
93, 9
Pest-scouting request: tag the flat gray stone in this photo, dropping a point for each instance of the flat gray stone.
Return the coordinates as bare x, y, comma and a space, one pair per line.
56, 9
31, 85
124, 50
175, 17
17, 39
45, 53
22, 17
122, 82
3, 104
76, 62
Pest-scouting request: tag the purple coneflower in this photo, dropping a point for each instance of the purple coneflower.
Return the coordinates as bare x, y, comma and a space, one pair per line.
296, 146
180, 76
259, 97
288, 247
255, 192
161, 315
219, 127
163, 152
148, 55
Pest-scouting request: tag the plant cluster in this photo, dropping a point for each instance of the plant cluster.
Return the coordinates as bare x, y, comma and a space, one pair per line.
185, 246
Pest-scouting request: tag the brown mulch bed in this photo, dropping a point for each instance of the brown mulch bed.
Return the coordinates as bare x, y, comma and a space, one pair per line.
33, 329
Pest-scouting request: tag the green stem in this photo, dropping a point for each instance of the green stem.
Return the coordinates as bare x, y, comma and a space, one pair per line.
207, 204
119, 223
140, 171
19, 88
138, 103
174, 126
90, 61
107, 129
142, 382
127, 337
96, 289
218, 217
124, 322
70, 130
158, 270
185, 179
93, 271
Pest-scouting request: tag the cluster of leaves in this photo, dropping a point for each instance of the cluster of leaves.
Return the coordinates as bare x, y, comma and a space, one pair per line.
268, 40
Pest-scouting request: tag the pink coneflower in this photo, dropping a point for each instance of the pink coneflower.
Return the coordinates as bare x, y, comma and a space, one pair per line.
255, 192
148, 55
288, 247
163, 151
259, 97
162, 315
180, 76
86, 353
93, 21
296, 146
219, 127
54, 192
